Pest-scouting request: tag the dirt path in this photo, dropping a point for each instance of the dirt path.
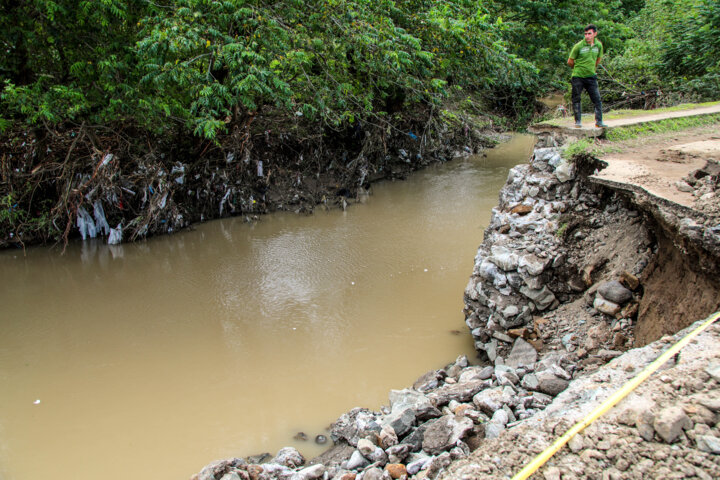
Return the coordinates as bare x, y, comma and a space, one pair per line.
664, 167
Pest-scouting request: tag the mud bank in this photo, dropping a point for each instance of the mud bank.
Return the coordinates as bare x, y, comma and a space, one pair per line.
126, 185
572, 273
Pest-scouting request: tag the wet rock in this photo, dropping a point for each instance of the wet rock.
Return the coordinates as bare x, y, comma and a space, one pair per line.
289, 457
708, 443
606, 306
334, 456
429, 381
522, 353
260, 458
615, 292
549, 383
670, 422
396, 470
444, 432
353, 425
218, 468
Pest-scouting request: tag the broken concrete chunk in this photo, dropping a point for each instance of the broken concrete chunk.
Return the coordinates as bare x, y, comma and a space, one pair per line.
670, 422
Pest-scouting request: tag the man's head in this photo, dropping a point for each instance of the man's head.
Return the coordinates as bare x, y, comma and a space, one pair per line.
590, 33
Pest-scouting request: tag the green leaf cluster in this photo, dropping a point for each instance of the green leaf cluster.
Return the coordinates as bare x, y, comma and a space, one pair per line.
203, 65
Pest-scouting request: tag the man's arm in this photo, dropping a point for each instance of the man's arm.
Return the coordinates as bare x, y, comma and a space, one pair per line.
571, 62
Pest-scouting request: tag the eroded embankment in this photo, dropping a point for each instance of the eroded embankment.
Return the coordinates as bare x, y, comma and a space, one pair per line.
572, 272
126, 184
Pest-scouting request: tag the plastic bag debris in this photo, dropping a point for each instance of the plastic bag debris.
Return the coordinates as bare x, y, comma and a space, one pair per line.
178, 169
107, 159
115, 235
224, 199
101, 224
85, 224
260, 168
230, 157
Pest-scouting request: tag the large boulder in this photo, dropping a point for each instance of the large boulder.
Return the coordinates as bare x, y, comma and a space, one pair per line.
615, 292
444, 432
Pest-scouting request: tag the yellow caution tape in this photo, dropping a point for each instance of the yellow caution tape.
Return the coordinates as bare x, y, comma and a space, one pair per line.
631, 385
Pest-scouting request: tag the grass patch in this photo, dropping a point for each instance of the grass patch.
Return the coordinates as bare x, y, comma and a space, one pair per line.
662, 126
627, 113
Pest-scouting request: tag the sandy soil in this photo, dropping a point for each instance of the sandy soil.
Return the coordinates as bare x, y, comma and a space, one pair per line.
658, 164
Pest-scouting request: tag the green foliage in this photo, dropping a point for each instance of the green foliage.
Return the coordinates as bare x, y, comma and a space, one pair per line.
206, 64
582, 145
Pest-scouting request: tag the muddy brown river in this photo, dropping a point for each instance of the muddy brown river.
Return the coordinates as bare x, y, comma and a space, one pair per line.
148, 361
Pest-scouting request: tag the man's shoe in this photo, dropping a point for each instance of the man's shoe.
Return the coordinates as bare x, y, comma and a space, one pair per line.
578, 125
600, 125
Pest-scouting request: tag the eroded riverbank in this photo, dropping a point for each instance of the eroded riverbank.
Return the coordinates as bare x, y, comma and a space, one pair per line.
561, 286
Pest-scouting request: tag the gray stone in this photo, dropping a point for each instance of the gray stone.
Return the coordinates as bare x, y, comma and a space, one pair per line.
378, 456
543, 298
365, 447
615, 292
501, 417
504, 258
356, 424
416, 465
530, 382
438, 464
230, 476
490, 400
374, 473
357, 461
684, 186
708, 402
493, 430
550, 384
398, 453
219, 467
576, 443
429, 381
273, 470
388, 437
540, 400
335, 455
510, 311
522, 353
475, 373
670, 422
533, 283
533, 264
310, 473
506, 375
444, 432
414, 400
605, 306
502, 337
289, 457
708, 443
564, 172
714, 371
461, 392
401, 421
491, 349
415, 438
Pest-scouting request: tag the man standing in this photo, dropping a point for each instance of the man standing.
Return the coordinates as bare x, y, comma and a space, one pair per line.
584, 59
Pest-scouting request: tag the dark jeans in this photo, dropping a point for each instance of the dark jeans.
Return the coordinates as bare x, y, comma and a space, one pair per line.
591, 86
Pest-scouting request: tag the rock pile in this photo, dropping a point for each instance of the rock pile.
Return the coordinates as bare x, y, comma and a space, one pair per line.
443, 417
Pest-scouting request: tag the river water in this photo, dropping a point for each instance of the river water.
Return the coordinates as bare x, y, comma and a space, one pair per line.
152, 359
